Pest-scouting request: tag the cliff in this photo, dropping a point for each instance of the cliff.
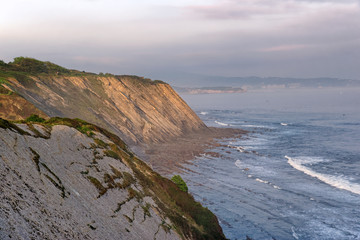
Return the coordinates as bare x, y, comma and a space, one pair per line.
135, 108
68, 179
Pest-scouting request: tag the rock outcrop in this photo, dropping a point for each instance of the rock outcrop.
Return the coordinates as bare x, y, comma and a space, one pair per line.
68, 179
135, 108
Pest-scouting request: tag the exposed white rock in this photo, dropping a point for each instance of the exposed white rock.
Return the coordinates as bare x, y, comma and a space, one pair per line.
46, 191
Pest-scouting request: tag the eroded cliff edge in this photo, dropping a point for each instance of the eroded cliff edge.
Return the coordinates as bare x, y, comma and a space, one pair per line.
135, 108
68, 179
49, 169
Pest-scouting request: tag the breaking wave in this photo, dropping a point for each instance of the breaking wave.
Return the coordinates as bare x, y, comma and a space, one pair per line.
335, 181
222, 124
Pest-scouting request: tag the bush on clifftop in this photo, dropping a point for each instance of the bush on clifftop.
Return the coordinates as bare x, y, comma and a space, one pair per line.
180, 183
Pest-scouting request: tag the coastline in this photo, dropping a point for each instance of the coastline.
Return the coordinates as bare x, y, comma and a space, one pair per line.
167, 158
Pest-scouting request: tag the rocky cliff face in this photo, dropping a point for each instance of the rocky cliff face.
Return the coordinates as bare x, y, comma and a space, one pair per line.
68, 179
137, 109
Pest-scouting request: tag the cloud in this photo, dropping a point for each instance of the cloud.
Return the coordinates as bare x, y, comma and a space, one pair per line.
281, 48
219, 37
235, 9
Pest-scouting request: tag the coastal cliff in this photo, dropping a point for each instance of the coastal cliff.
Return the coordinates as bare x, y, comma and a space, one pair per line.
68, 179
135, 108
64, 178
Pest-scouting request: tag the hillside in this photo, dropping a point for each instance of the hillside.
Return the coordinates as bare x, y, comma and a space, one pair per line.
68, 179
135, 108
196, 81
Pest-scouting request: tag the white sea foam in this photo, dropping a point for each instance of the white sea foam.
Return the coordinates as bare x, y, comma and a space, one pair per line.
254, 126
222, 124
262, 181
238, 163
283, 124
204, 113
335, 181
240, 149
267, 182
294, 233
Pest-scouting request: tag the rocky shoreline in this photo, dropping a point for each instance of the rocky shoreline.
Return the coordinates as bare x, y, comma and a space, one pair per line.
168, 157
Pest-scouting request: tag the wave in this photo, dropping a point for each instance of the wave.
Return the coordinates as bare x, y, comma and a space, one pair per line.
267, 182
283, 124
222, 124
262, 181
238, 164
204, 113
253, 126
294, 233
335, 181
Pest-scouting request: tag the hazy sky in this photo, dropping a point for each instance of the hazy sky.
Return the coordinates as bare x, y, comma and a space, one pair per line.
162, 38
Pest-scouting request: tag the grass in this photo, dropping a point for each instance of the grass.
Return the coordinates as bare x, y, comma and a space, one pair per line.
199, 222
3, 90
180, 183
146, 209
101, 189
9, 125
34, 118
127, 180
100, 143
132, 193
112, 154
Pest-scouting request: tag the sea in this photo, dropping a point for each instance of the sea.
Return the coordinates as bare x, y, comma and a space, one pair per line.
295, 175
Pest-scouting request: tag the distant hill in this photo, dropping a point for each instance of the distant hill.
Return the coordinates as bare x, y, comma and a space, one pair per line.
209, 90
199, 81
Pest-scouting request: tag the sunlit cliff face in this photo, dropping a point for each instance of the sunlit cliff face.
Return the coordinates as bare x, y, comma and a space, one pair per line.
218, 37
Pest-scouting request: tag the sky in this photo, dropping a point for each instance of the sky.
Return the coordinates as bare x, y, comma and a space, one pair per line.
173, 39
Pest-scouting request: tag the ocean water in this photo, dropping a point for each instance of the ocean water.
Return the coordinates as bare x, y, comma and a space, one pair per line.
296, 175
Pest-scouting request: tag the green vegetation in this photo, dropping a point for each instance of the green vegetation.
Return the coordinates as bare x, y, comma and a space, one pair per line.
132, 193
140, 80
112, 154
102, 190
146, 209
180, 183
35, 118
32, 65
81, 124
22, 67
8, 125
86, 130
3, 90
100, 143
189, 218
127, 179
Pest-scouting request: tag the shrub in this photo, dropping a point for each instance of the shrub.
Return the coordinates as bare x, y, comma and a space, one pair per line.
180, 183
35, 118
